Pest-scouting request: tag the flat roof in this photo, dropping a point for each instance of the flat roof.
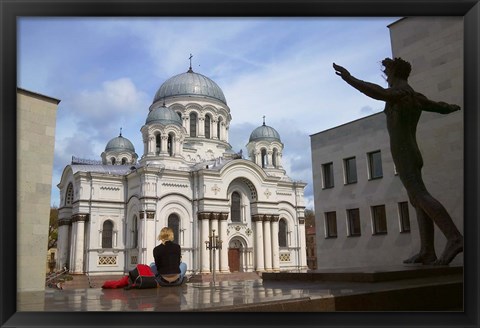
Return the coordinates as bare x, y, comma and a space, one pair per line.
57, 101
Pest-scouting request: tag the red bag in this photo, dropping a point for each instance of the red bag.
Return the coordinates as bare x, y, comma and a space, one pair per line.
110, 284
141, 277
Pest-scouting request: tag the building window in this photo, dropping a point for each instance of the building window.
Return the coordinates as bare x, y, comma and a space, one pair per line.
282, 233
350, 166
134, 232
375, 164
331, 224
327, 170
107, 234
113, 160
379, 220
404, 217
124, 160
174, 224
170, 144
158, 144
193, 124
219, 124
235, 208
264, 158
353, 217
207, 126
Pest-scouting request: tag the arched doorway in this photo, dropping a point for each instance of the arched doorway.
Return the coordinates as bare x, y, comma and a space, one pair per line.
236, 253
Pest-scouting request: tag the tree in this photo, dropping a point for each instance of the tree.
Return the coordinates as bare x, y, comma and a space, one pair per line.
53, 227
309, 218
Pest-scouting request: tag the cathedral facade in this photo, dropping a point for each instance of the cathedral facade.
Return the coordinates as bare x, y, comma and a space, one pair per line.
188, 178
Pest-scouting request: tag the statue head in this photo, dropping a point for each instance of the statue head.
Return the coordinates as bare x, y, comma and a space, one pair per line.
397, 67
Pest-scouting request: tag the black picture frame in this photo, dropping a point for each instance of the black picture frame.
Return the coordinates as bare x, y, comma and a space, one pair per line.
11, 10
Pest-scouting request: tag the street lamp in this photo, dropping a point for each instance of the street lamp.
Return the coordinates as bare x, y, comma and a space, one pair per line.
213, 243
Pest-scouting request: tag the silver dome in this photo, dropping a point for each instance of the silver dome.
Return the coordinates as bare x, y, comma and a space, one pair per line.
264, 132
120, 143
190, 83
163, 115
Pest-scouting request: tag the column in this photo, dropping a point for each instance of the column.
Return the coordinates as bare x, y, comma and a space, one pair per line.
223, 236
80, 242
201, 126
151, 145
163, 147
275, 247
259, 259
303, 243
63, 251
269, 159
267, 242
205, 253
213, 130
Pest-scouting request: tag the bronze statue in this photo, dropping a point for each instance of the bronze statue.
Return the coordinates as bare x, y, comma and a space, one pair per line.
403, 107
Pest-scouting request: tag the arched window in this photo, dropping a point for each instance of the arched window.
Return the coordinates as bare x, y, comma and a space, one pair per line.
174, 223
69, 195
107, 234
207, 126
170, 144
113, 160
264, 158
134, 232
179, 115
124, 160
274, 158
282, 233
193, 124
158, 144
219, 124
235, 208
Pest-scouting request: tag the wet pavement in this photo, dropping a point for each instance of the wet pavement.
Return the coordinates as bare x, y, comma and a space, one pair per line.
259, 295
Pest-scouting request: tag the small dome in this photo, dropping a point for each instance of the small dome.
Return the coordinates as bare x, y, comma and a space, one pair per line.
120, 143
190, 83
163, 115
264, 132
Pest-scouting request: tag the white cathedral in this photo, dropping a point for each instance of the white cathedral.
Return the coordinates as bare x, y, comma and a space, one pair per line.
189, 179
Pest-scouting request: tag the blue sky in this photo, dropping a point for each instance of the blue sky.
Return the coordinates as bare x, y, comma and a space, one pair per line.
106, 71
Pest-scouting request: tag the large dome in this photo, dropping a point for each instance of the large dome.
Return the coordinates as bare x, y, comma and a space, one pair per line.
265, 132
163, 115
190, 84
120, 143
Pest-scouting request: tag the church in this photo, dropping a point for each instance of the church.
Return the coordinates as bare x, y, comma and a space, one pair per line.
190, 179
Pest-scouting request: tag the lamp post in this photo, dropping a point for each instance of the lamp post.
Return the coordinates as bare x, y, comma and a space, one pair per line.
213, 243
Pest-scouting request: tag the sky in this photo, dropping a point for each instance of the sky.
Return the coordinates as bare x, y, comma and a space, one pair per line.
106, 71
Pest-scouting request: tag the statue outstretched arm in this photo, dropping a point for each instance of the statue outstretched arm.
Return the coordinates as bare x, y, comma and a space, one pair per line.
372, 90
434, 106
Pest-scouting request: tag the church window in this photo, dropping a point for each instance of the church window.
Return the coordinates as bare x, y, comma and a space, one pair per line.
174, 224
69, 195
113, 160
264, 158
274, 158
107, 234
219, 124
179, 115
158, 144
207, 126
124, 161
235, 208
170, 144
282, 233
134, 232
193, 124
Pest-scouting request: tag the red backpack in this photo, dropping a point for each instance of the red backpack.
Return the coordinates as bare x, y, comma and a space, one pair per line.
141, 277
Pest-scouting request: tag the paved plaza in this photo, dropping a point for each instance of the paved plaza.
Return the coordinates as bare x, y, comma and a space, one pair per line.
348, 290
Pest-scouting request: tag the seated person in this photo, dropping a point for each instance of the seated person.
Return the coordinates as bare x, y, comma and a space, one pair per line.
168, 267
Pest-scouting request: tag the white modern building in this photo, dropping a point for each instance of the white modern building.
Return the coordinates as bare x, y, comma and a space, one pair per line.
362, 210
187, 177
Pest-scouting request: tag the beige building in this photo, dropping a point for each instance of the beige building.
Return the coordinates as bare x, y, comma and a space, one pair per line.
363, 214
36, 120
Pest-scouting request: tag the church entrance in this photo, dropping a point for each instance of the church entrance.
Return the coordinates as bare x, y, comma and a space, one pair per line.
236, 255
234, 259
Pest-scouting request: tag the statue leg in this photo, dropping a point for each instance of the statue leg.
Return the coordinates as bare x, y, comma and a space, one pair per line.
439, 215
427, 249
